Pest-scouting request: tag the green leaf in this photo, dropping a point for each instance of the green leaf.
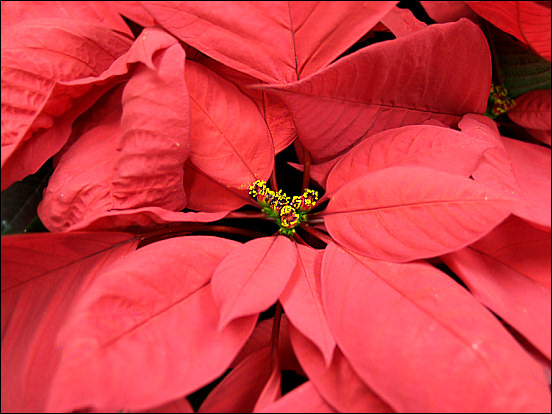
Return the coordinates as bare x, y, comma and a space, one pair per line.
521, 70
20, 201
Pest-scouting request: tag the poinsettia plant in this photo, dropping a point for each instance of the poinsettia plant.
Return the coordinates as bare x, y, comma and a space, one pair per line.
276, 206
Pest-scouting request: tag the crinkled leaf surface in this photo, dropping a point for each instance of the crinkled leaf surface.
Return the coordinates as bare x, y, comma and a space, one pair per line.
412, 212
274, 42
251, 278
36, 56
302, 301
152, 149
528, 21
128, 159
101, 13
305, 399
521, 302
145, 332
532, 110
430, 74
339, 384
42, 277
407, 329
235, 153
444, 149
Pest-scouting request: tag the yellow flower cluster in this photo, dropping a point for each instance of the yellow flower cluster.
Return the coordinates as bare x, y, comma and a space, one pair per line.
499, 100
288, 214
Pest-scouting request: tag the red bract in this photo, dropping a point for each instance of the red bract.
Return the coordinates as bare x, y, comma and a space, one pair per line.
189, 270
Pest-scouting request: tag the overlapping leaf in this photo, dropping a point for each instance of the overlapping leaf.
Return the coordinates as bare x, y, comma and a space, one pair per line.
390, 84
402, 22
514, 168
520, 247
338, 384
42, 277
305, 398
518, 300
262, 336
234, 153
407, 329
532, 110
411, 212
101, 13
129, 159
37, 58
252, 277
274, 42
145, 332
204, 193
275, 113
302, 301
240, 389
528, 21
441, 148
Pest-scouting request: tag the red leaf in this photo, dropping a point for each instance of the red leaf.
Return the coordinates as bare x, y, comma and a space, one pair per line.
531, 165
522, 169
386, 85
137, 316
441, 148
277, 118
239, 390
520, 247
319, 172
274, 42
271, 391
134, 11
402, 22
251, 278
338, 384
515, 168
42, 276
532, 110
408, 213
302, 301
207, 194
528, 21
233, 153
449, 11
152, 150
262, 336
130, 160
180, 405
100, 13
38, 57
432, 346
303, 399
518, 300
